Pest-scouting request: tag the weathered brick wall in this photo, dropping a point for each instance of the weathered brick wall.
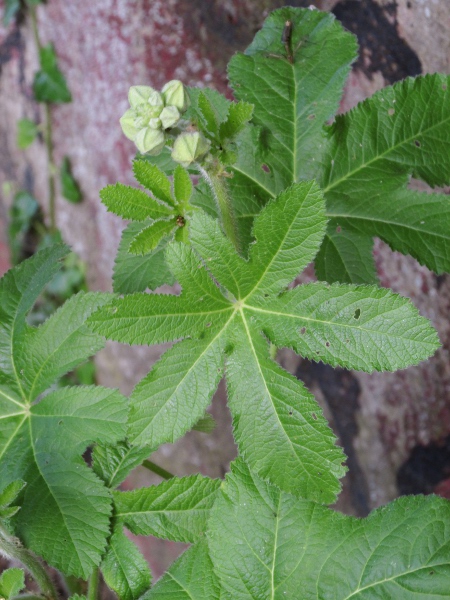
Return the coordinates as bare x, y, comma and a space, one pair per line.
107, 45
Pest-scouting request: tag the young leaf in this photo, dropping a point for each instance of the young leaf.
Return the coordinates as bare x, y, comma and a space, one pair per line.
131, 203
239, 114
113, 464
271, 410
191, 577
70, 188
49, 83
283, 545
205, 424
134, 273
182, 186
150, 237
42, 443
26, 133
10, 493
124, 569
177, 509
154, 180
12, 581
209, 119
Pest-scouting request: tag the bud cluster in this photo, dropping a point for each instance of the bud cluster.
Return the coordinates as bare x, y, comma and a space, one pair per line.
153, 114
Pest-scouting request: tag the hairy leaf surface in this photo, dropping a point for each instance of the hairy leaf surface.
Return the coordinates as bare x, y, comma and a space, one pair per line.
267, 544
363, 162
177, 509
42, 443
226, 303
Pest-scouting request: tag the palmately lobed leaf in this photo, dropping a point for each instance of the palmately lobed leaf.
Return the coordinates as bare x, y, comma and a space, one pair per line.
177, 509
42, 442
267, 544
226, 306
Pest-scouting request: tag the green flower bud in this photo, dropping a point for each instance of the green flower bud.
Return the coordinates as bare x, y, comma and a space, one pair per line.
174, 94
127, 122
139, 94
189, 147
156, 100
169, 116
150, 141
155, 123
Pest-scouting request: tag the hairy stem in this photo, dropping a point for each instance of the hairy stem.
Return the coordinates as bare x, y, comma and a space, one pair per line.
148, 464
93, 585
48, 132
219, 189
12, 548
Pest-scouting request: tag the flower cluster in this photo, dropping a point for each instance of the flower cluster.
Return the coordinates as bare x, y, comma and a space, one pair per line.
152, 113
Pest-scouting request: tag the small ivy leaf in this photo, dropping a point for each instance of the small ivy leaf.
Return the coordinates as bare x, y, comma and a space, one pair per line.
42, 443
49, 83
150, 237
239, 114
27, 131
70, 188
154, 180
190, 577
130, 203
284, 544
177, 509
12, 581
124, 569
11, 9
182, 186
113, 464
227, 303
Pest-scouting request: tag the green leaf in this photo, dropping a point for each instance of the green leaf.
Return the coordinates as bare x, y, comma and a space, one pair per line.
177, 509
182, 186
42, 443
215, 99
175, 394
70, 188
11, 9
346, 257
113, 464
150, 237
205, 424
10, 492
124, 569
60, 344
191, 577
23, 210
239, 114
209, 119
134, 273
12, 581
226, 304
49, 83
403, 130
292, 102
154, 180
26, 133
131, 203
284, 545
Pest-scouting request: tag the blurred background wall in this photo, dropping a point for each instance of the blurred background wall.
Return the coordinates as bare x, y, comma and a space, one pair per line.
395, 428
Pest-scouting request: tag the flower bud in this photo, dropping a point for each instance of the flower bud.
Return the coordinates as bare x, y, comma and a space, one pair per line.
155, 123
127, 122
174, 94
150, 141
189, 147
138, 94
169, 116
